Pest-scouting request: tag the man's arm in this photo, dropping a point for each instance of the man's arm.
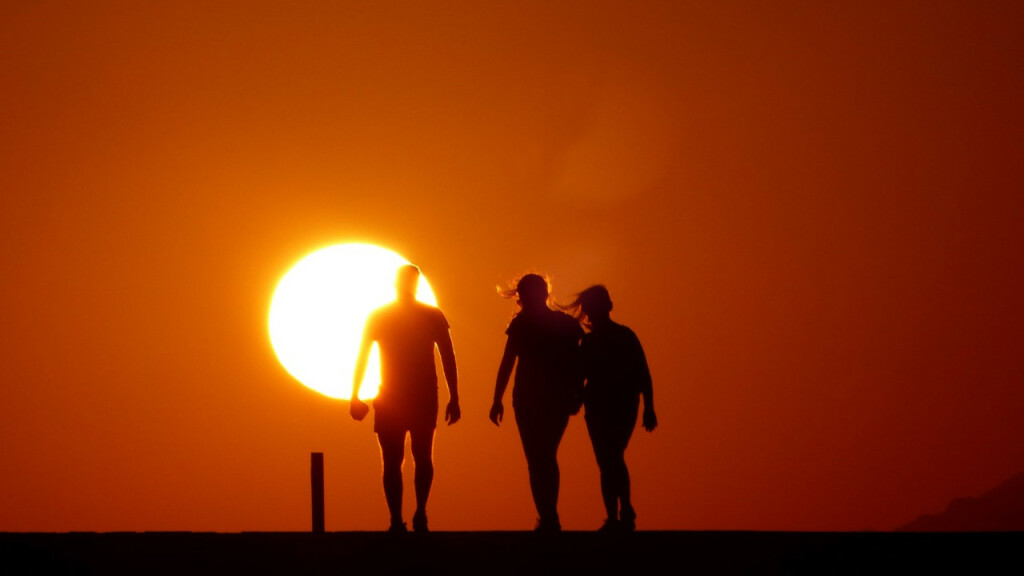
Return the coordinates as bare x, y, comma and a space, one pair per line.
451, 377
357, 408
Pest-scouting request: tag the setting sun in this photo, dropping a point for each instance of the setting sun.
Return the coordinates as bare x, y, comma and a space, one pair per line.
319, 308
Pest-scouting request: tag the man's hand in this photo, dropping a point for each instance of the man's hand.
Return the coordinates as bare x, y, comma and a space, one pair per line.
452, 413
358, 409
497, 412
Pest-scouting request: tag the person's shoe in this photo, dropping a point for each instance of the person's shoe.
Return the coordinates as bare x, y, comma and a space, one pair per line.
627, 521
610, 525
397, 527
548, 525
419, 522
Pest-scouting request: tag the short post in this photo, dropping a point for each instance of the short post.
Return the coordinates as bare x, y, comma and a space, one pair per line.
317, 477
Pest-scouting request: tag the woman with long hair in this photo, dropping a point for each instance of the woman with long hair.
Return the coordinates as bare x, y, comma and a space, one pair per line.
616, 376
543, 346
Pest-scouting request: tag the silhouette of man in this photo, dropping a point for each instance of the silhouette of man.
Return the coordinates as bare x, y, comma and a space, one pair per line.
407, 332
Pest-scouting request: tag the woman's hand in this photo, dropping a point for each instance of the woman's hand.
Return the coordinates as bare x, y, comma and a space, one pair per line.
452, 413
497, 412
650, 420
575, 405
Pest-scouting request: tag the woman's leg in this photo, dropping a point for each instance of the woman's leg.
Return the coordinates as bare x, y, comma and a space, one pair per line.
610, 431
604, 453
541, 436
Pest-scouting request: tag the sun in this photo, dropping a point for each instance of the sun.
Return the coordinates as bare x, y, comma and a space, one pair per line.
319, 308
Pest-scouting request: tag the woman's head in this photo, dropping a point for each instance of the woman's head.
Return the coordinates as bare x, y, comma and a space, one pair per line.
592, 304
530, 290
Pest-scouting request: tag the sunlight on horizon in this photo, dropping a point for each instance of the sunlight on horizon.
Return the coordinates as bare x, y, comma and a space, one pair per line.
319, 308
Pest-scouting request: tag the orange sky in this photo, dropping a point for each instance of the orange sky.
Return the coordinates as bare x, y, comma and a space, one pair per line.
810, 213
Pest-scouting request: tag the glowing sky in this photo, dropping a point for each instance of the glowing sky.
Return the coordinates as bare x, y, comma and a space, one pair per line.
810, 213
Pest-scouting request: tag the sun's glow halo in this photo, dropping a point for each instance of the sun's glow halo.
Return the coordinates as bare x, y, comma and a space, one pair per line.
319, 309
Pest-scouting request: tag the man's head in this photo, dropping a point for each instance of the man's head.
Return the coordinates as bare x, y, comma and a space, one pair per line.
406, 282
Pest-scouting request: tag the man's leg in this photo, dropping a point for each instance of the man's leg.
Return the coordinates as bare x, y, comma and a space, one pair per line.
423, 459
392, 452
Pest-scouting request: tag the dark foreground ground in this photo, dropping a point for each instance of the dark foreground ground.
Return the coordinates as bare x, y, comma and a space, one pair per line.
492, 553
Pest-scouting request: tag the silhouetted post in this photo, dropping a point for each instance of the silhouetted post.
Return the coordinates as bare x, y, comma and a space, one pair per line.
317, 476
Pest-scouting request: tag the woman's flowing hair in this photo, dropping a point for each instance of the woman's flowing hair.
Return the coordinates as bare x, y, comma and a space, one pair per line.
532, 286
594, 300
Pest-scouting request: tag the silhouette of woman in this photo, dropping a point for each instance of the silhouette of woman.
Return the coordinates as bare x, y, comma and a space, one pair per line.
616, 376
543, 345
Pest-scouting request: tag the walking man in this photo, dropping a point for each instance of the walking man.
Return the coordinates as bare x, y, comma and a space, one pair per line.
407, 332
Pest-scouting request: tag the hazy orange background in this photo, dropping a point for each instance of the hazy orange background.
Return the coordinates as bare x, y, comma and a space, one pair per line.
810, 212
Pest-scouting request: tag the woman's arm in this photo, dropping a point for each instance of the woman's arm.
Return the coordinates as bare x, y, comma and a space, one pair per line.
650, 420
508, 361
